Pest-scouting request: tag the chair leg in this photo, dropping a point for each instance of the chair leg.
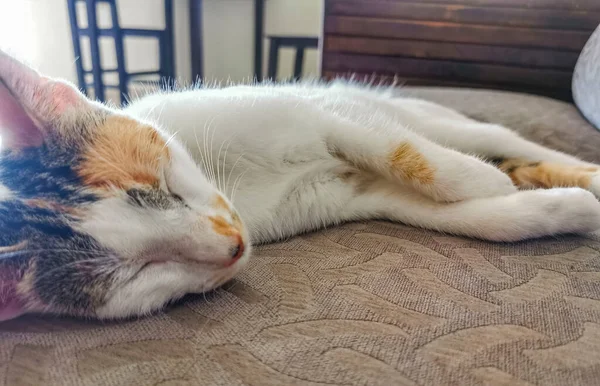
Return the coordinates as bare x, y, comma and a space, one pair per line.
273, 58
197, 48
259, 15
120, 53
299, 62
168, 72
95, 50
76, 46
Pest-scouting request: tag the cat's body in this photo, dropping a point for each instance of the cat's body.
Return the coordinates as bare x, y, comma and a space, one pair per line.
105, 213
299, 154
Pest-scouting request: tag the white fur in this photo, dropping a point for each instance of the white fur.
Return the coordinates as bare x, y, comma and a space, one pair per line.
277, 140
595, 184
269, 150
158, 284
5, 193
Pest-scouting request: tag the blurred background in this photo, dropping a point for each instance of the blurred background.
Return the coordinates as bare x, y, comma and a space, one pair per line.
40, 32
112, 48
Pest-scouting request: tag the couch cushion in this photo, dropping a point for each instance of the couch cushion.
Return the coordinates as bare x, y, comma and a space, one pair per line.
369, 303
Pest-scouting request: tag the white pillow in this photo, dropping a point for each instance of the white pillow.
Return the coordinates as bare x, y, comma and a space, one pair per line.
586, 80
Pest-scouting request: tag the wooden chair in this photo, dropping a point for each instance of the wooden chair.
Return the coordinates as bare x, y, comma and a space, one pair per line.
166, 65
300, 43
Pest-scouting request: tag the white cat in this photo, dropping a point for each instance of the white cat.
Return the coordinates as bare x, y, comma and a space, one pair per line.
295, 158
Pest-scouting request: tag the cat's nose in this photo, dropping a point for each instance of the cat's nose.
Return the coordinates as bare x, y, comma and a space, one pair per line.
237, 250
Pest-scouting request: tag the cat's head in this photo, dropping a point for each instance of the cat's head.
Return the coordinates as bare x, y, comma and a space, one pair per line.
101, 215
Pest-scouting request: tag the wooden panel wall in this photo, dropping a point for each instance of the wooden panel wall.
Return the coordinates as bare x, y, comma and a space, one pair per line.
522, 45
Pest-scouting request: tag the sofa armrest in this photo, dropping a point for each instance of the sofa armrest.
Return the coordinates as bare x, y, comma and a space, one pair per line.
518, 45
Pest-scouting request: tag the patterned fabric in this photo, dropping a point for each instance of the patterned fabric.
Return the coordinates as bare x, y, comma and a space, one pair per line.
586, 80
371, 303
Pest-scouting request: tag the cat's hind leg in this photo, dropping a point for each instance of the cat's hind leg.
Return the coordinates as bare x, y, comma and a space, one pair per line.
519, 216
544, 175
406, 158
486, 140
529, 164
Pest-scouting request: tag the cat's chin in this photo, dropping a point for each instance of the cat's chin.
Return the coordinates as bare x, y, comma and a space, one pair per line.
161, 283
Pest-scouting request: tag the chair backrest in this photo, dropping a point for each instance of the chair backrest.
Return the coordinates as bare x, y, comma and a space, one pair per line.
299, 43
166, 65
521, 45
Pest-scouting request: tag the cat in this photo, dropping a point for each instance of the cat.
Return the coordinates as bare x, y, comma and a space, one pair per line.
110, 213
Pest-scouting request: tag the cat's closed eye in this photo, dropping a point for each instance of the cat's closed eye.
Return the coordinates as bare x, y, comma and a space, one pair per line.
135, 197
177, 198
153, 198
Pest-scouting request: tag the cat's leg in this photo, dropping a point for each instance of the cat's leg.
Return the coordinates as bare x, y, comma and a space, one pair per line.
406, 158
519, 216
489, 140
535, 175
528, 164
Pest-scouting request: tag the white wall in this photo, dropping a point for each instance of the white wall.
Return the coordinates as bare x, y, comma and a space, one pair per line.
38, 31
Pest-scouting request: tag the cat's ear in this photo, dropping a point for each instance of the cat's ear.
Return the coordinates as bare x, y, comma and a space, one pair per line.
32, 105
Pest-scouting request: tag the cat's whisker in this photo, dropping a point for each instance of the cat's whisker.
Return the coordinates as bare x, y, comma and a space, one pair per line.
162, 109
205, 298
170, 139
219, 174
231, 173
212, 155
236, 185
207, 154
201, 153
218, 168
225, 163
151, 110
221, 170
209, 145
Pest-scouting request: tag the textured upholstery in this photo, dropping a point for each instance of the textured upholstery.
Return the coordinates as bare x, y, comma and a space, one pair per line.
370, 303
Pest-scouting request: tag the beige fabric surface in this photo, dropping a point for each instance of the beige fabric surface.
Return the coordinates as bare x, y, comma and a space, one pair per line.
369, 303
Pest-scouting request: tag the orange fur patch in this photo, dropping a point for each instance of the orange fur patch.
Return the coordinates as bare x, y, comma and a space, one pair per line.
411, 164
222, 227
124, 153
547, 175
220, 203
